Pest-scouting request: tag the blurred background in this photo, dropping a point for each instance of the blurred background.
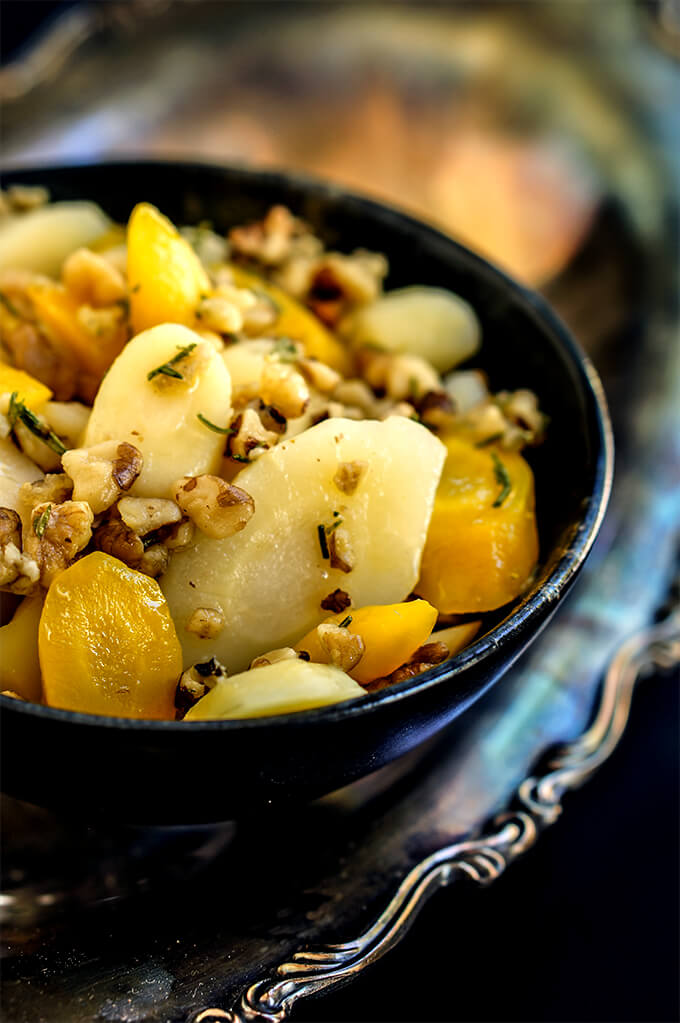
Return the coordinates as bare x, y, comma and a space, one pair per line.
546, 135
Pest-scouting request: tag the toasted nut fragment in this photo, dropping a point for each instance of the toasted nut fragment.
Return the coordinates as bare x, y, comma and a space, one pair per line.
218, 508
115, 538
220, 314
14, 696
145, 514
431, 653
102, 473
55, 488
251, 438
179, 536
403, 408
324, 378
348, 476
57, 533
400, 376
521, 408
284, 653
436, 409
400, 674
18, 573
340, 550
269, 240
336, 601
10, 526
284, 388
272, 419
344, 648
154, 561
206, 622
196, 681
92, 279
487, 422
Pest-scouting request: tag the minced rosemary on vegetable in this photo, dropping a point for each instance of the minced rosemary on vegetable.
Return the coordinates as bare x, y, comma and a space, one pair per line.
285, 349
345, 622
40, 524
17, 410
502, 478
213, 426
323, 544
167, 368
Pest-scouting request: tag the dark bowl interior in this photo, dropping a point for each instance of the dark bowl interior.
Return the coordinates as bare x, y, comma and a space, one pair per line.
168, 772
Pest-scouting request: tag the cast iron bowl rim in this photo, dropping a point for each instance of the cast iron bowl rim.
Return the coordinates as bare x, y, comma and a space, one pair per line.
539, 604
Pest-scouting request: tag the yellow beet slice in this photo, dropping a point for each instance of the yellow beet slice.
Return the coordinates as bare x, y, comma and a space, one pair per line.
482, 544
391, 633
296, 322
165, 276
28, 389
57, 309
107, 642
19, 664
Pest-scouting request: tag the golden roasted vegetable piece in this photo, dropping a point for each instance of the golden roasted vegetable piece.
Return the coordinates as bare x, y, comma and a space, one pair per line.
107, 642
165, 276
296, 322
19, 665
391, 634
27, 389
482, 544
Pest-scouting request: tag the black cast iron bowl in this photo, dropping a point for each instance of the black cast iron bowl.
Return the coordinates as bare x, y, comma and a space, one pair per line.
167, 772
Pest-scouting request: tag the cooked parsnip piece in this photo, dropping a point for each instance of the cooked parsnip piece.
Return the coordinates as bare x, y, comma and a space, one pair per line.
270, 579
15, 469
160, 416
430, 322
68, 419
245, 361
41, 239
280, 688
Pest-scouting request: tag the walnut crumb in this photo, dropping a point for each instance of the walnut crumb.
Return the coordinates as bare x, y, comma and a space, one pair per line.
336, 601
348, 476
206, 622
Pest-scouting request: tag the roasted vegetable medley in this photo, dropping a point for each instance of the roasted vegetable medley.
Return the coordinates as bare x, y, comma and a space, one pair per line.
237, 478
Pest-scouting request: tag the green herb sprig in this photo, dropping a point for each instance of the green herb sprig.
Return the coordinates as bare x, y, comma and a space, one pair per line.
285, 349
345, 623
166, 369
18, 412
502, 478
41, 523
213, 426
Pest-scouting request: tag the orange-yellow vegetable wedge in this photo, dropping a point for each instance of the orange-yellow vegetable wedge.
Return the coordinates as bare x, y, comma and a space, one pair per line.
296, 322
57, 309
482, 544
27, 388
165, 275
19, 665
391, 634
107, 642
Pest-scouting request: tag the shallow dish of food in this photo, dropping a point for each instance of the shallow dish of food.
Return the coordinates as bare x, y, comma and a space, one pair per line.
289, 479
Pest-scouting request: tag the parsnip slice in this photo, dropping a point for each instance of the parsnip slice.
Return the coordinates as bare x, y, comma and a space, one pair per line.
436, 324
276, 689
160, 416
15, 469
41, 239
268, 581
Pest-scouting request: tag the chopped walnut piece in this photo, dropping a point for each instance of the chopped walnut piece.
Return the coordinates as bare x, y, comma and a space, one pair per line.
405, 671
19, 573
91, 279
220, 314
10, 527
154, 560
272, 420
251, 437
348, 476
206, 622
115, 538
218, 508
196, 681
54, 488
284, 653
521, 409
344, 648
270, 240
284, 388
324, 378
57, 532
340, 550
102, 473
146, 514
436, 409
337, 601
179, 536
431, 653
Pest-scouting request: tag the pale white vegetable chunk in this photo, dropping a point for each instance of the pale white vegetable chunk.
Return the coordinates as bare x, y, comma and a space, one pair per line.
268, 581
41, 239
276, 689
15, 469
68, 419
160, 416
436, 324
245, 361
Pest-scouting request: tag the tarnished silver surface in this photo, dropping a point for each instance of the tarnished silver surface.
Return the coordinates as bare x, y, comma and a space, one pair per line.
537, 804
